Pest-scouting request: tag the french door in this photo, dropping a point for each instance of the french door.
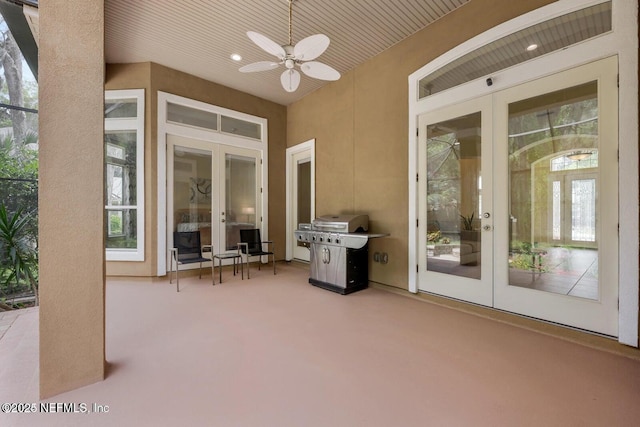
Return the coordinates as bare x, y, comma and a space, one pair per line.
455, 225
302, 200
557, 149
300, 196
519, 201
213, 189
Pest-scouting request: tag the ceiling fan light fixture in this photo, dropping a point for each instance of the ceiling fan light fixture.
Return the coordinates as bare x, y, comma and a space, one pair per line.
290, 80
579, 155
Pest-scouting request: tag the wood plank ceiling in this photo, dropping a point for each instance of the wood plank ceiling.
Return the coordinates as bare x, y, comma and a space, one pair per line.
198, 36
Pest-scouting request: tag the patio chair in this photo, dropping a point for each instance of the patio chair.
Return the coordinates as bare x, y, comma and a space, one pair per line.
251, 245
187, 250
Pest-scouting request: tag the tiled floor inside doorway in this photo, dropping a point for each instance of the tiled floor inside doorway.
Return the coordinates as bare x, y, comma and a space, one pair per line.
566, 271
561, 270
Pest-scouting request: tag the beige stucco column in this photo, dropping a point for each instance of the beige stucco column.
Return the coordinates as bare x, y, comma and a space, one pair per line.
71, 204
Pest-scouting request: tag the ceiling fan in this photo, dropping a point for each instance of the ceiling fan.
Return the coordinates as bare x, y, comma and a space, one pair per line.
291, 56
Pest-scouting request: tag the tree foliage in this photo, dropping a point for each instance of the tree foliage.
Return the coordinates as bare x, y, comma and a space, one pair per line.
19, 180
18, 250
12, 68
18, 172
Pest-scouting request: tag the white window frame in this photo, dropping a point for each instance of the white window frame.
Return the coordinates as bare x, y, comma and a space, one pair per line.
214, 136
132, 124
621, 41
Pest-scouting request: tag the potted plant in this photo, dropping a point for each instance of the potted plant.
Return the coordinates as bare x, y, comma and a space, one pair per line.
469, 241
467, 222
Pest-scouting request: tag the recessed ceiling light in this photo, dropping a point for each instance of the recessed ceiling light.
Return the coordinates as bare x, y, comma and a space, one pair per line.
236, 57
532, 47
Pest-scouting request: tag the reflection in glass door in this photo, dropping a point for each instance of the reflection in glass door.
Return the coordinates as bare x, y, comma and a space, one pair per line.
455, 230
240, 195
553, 141
302, 203
454, 197
215, 190
192, 191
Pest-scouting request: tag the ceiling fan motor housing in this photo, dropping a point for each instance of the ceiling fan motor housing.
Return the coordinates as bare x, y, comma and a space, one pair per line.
289, 59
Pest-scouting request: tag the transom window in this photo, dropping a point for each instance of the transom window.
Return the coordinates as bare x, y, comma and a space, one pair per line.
189, 116
524, 45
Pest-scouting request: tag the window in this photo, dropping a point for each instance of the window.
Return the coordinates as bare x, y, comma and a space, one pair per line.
553, 35
580, 159
124, 175
208, 120
188, 116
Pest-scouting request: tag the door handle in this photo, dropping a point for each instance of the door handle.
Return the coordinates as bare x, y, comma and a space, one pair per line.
487, 228
326, 256
222, 220
486, 215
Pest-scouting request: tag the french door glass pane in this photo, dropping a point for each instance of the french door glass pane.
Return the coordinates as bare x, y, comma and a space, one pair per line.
192, 185
241, 197
583, 210
454, 196
304, 195
553, 192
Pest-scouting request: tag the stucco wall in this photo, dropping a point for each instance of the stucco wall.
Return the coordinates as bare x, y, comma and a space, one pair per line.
360, 124
153, 78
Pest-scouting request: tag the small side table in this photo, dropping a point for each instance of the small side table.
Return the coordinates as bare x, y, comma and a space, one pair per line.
536, 262
229, 255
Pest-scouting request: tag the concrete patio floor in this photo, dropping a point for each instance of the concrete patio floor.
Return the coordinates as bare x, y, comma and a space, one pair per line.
276, 351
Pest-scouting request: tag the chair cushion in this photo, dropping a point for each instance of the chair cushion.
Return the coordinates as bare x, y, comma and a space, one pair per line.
254, 252
187, 260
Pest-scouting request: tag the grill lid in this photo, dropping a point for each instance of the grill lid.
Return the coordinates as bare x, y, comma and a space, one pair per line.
341, 223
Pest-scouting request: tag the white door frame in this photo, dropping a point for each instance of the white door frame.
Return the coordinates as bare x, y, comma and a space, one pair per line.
475, 290
622, 41
165, 128
310, 147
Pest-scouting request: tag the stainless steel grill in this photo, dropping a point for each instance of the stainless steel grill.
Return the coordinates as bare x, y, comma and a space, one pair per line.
339, 251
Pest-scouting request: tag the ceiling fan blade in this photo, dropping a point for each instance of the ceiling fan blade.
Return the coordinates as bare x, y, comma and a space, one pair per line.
311, 47
267, 44
290, 80
259, 66
321, 71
